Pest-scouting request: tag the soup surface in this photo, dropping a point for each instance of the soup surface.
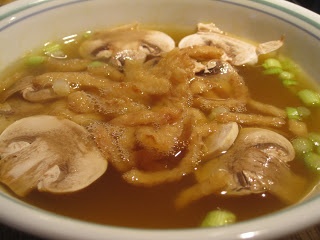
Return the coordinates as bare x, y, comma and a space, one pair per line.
154, 112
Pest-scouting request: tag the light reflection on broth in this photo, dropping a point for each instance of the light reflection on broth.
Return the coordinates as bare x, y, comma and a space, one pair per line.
127, 195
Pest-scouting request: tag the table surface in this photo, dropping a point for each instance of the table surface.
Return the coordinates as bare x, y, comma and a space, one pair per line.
7, 232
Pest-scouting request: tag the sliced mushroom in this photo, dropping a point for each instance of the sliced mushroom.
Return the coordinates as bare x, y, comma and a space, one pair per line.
33, 95
237, 51
256, 163
30, 93
128, 42
50, 154
221, 140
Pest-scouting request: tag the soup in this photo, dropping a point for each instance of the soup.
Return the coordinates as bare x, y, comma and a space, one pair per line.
145, 134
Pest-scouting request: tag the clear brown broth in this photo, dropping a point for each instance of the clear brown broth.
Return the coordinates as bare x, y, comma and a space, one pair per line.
112, 201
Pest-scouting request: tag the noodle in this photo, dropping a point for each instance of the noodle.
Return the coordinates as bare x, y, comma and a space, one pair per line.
106, 70
116, 144
251, 119
66, 65
81, 102
209, 104
203, 53
161, 116
267, 109
212, 184
186, 165
75, 79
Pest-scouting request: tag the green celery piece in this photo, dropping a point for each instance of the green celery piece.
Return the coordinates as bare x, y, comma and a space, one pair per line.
312, 160
218, 218
271, 63
35, 60
309, 97
293, 113
315, 138
302, 146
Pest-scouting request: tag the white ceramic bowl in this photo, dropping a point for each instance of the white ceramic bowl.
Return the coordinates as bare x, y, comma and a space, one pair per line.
27, 24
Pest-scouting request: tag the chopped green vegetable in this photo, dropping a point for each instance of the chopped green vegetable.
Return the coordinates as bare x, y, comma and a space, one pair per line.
287, 64
95, 64
52, 48
309, 97
302, 145
298, 113
303, 112
218, 218
284, 75
271, 63
272, 71
289, 82
315, 138
35, 60
312, 160
293, 113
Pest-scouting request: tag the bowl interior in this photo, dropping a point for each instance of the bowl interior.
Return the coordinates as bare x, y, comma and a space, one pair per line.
27, 24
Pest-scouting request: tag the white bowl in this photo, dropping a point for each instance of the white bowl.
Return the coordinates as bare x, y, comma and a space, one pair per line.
27, 24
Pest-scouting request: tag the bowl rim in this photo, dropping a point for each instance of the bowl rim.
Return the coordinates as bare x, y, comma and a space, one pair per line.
45, 224
42, 221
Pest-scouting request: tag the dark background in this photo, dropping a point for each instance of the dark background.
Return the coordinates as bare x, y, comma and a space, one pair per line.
313, 5
8, 233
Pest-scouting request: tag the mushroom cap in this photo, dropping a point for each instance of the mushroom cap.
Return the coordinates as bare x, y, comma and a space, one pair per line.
50, 154
256, 161
127, 42
236, 51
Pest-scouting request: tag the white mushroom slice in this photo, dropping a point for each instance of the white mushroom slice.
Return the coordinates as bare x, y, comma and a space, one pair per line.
256, 163
221, 140
33, 95
253, 161
236, 51
123, 43
258, 160
50, 154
